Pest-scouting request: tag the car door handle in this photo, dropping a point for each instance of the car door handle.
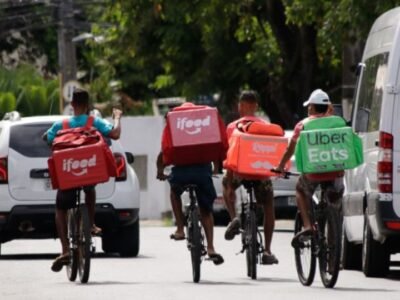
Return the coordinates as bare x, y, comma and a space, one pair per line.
40, 173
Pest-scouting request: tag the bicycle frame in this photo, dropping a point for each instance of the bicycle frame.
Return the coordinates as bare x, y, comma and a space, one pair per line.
80, 241
252, 241
194, 236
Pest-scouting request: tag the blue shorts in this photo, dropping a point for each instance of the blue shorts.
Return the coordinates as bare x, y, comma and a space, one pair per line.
201, 176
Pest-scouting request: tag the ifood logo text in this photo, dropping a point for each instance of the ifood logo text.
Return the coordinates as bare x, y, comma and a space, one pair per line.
78, 167
191, 126
260, 148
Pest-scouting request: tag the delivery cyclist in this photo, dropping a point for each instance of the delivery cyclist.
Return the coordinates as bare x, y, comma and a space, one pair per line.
80, 105
248, 105
200, 175
318, 106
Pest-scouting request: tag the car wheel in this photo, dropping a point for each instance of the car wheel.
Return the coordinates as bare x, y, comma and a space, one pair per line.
128, 240
351, 254
375, 257
109, 244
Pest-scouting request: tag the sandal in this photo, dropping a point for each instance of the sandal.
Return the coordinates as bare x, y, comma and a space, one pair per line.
96, 231
216, 258
269, 259
300, 237
59, 262
177, 236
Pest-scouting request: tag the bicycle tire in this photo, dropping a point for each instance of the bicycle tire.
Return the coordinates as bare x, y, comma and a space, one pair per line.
330, 247
251, 240
72, 267
195, 244
84, 244
305, 257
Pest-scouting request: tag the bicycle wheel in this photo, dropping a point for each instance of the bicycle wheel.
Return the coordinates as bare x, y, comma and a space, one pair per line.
251, 242
72, 267
195, 243
84, 244
304, 256
330, 247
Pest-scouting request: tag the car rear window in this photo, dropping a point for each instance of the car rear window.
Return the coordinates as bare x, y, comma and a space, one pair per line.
27, 139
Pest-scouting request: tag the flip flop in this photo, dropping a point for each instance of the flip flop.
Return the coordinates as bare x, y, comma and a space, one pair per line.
96, 231
177, 237
216, 258
296, 241
59, 262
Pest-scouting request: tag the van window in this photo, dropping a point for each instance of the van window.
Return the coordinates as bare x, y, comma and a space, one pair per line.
371, 92
27, 140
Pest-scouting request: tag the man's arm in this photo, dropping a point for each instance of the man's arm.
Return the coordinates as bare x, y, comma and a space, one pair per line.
160, 167
115, 133
287, 155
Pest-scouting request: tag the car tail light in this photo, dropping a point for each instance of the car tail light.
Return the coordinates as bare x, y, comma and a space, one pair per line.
121, 167
3, 170
385, 163
394, 225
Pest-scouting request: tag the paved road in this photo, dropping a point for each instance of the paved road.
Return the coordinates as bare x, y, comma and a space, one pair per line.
163, 271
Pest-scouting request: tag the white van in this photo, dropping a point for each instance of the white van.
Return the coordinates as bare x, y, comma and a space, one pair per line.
371, 204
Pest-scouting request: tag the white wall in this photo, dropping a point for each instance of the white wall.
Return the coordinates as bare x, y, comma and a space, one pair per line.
142, 136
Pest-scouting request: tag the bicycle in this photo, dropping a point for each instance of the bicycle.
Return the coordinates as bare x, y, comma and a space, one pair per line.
80, 241
194, 235
324, 242
252, 242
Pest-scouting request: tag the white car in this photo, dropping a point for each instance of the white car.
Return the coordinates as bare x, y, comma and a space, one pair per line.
27, 200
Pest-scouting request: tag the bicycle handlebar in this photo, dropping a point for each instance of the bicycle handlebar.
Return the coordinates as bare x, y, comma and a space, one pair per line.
285, 174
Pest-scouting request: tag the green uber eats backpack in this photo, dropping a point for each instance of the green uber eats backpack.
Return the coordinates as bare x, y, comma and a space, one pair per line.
326, 145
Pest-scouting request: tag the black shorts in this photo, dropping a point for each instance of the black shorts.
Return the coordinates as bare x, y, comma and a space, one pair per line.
201, 176
66, 199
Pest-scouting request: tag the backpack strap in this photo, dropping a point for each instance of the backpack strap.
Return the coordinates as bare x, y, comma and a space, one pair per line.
65, 124
89, 122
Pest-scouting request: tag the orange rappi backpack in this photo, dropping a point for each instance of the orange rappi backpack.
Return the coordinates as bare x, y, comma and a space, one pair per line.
254, 149
80, 157
194, 134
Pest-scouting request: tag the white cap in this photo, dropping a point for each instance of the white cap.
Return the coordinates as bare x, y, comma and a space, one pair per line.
318, 97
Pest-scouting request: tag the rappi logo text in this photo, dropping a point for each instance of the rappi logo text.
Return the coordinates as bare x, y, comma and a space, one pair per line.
192, 126
78, 167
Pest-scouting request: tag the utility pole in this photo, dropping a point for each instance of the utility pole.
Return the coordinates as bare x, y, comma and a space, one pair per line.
66, 48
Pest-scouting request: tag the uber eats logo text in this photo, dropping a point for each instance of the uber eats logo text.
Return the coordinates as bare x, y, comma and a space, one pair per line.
327, 146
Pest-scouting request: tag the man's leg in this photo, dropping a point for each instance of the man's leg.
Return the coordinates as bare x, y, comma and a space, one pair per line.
61, 224
269, 223
229, 195
304, 208
90, 200
207, 220
176, 204
265, 197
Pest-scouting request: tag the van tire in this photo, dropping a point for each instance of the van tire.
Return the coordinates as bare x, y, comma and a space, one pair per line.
128, 240
375, 256
351, 254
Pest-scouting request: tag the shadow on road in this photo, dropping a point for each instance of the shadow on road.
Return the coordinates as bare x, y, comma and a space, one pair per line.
48, 256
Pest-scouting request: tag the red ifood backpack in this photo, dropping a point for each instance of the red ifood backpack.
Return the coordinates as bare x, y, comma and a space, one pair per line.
80, 157
193, 134
254, 149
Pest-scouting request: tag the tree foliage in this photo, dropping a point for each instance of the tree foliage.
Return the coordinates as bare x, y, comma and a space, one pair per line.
25, 90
